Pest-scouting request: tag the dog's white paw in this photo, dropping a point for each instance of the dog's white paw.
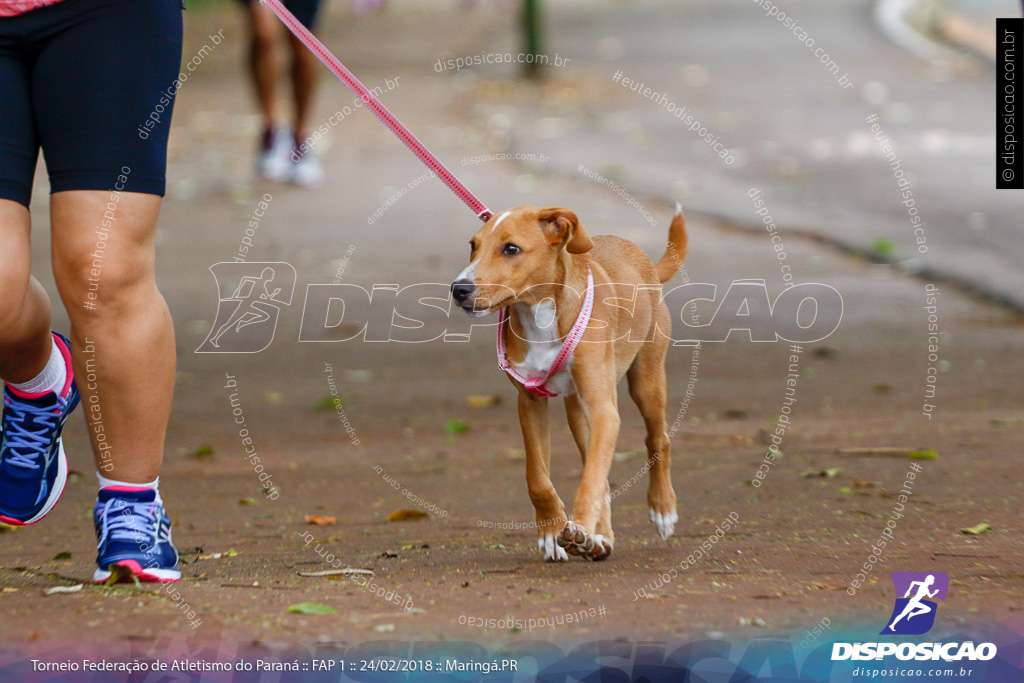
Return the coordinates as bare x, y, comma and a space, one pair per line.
577, 541
552, 551
665, 523
602, 548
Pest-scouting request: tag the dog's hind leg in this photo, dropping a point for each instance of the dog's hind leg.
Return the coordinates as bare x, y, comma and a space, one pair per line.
647, 388
535, 423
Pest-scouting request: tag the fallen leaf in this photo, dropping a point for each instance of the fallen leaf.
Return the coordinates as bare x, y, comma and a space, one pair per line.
826, 351
120, 573
734, 414
63, 555
231, 552
482, 401
310, 608
347, 571
456, 426
829, 473
8, 589
321, 520
64, 589
1007, 421
740, 440
360, 376
246, 501
384, 628
274, 398
9, 527
388, 554
516, 454
881, 388
204, 451
924, 454
977, 529
328, 403
406, 515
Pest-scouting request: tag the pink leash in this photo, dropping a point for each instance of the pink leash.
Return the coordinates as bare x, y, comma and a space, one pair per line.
386, 117
537, 385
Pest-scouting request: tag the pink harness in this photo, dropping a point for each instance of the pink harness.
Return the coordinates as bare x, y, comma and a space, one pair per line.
537, 385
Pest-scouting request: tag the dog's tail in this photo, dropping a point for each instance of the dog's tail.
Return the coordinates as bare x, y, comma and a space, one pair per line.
672, 261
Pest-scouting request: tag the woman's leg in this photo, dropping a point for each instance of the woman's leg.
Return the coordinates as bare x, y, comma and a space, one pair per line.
121, 332
25, 339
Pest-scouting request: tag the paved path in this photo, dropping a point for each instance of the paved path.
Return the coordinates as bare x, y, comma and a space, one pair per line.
801, 538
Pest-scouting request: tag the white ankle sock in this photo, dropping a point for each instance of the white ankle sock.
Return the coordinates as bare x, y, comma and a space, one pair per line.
53, 376
155, 485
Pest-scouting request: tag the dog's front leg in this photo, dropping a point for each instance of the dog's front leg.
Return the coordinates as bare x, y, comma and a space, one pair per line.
579, 537
536, 425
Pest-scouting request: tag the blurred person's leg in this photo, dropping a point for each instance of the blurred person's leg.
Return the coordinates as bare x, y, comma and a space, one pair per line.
303, 73
306, 170
265, 31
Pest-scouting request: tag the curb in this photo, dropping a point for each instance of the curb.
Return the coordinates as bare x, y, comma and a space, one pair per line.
932, 29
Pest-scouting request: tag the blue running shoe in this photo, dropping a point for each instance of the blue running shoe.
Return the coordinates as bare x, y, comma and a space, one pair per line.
33, 467
134, 537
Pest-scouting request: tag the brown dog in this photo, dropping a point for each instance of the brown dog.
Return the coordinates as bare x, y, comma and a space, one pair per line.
533, 265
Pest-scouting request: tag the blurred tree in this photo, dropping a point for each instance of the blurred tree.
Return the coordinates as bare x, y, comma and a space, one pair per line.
532, 39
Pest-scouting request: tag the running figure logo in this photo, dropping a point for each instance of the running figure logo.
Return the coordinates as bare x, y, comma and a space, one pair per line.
247, 316
914, 613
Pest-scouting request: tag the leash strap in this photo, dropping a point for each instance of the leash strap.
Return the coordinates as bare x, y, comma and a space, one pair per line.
538, 385
382, 112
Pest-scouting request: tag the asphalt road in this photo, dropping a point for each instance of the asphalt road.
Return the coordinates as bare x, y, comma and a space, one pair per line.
802, 537
794, 130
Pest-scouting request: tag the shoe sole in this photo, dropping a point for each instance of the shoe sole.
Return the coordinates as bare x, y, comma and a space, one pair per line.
144, 575
55, 493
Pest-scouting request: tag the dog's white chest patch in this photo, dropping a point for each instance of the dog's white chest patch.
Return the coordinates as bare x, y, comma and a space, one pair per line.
540, 331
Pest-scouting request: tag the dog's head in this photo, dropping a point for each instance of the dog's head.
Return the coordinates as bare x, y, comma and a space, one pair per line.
515, 251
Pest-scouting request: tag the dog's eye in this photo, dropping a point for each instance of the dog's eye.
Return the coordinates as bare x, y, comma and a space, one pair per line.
510, 249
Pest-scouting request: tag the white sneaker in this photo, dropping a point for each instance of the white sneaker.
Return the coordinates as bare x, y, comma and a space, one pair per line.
307, 171
275, 158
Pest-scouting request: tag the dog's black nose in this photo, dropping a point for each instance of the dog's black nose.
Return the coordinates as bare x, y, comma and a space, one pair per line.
461, 290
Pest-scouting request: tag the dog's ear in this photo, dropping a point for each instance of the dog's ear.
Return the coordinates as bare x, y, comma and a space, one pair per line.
563, 227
